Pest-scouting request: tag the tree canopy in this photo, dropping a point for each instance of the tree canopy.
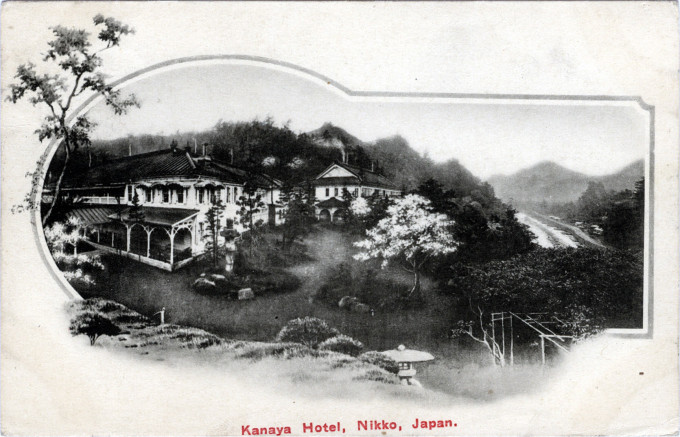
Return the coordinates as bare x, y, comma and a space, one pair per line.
411, 234
79, 61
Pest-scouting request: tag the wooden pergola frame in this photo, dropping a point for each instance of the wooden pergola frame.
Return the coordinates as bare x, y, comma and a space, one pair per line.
532, 321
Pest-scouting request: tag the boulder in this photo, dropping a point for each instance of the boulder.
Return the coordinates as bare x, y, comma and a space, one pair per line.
360, 308
347, 302
245, 294
204, 285
218, 279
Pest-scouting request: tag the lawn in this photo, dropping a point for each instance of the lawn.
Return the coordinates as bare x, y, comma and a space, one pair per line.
146, 290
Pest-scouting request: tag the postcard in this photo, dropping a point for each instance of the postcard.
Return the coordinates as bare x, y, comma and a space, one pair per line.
342, 218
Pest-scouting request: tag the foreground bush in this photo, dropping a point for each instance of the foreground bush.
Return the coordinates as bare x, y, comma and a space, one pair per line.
309, 331
342, 344
378, 375
381, 360
93, 325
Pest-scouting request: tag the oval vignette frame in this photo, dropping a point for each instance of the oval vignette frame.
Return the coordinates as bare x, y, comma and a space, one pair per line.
333, 86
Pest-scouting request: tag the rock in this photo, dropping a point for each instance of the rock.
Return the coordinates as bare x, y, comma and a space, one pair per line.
245, 294
347, 302
218, 279
360, 308
203, 285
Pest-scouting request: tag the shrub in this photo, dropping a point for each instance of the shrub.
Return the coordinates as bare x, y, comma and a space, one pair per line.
274, 281
258, 351
378, 375
93, 325
309, 331
342, 344
381, 360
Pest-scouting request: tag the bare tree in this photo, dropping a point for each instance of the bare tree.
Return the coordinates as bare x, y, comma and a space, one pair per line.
72, 52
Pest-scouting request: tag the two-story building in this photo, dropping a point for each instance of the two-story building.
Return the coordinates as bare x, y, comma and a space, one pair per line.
174, 188
331, 183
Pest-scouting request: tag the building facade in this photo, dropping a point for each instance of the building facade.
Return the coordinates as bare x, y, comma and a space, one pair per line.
330, 186
166, 226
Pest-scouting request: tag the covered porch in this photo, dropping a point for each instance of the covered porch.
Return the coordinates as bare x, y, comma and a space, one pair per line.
331, 211
161, 237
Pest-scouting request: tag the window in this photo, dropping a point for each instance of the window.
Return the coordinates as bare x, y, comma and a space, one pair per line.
129, 192
228, 194
180, 195
230, 223
328, 192
335, 191
356, 192
199, 192
148, 195
218, 195
166, 195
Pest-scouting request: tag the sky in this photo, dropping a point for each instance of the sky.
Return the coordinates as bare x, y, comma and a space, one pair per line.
488, 138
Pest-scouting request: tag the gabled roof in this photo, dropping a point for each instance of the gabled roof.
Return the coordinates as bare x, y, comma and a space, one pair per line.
333, 202
91, 215
363, 176
161, 164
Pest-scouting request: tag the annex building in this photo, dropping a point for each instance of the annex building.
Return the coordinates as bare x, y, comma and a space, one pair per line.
331, 183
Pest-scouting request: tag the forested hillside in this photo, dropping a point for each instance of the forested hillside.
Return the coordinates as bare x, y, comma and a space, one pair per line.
287, 155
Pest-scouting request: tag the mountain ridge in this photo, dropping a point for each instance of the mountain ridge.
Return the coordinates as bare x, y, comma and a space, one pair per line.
551, 182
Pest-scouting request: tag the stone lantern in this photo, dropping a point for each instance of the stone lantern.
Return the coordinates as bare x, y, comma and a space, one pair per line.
230, 248
406, 358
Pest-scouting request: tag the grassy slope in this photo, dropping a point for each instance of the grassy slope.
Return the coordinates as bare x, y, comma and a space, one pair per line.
167, 342
460, 368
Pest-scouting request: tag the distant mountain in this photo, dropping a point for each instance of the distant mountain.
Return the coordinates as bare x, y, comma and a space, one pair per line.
555, 184
624, 178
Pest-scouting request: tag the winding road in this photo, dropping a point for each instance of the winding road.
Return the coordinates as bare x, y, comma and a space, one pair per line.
554, 233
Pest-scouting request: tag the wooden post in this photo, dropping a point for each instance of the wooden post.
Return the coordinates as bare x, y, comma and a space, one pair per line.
128, 229
512, 341
493, 336
148, 243
113, 235
543, 350
503, 332
172, 247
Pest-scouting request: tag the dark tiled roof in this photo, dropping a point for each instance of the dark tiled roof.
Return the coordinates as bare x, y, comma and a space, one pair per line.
365, 176
160, 164
333, 202
91, 215
156, 216
347, 180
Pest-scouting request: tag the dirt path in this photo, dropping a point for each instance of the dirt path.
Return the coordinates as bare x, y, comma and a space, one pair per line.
328, 248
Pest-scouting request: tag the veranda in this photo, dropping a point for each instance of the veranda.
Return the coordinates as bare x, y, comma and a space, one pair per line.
167, 239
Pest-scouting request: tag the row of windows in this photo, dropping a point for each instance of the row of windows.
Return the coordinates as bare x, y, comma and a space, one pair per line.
204, 195
365, 192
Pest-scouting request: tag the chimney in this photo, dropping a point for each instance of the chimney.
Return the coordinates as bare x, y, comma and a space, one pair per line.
204, 145
195, 146
372, 165
344, 155
231, 156
129, 149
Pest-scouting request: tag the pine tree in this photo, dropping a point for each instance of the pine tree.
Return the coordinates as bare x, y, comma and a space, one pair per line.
213, 217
